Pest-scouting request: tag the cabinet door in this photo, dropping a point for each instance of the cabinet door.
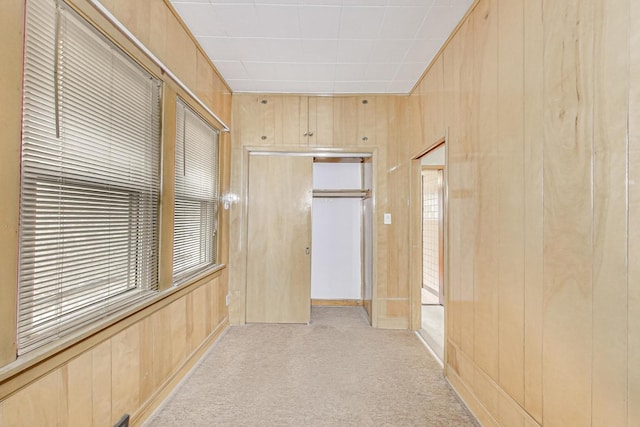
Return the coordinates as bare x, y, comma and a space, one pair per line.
354, 121
279, 239
320, 121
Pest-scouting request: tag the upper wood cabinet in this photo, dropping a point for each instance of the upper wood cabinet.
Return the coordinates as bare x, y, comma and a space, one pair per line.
316, 121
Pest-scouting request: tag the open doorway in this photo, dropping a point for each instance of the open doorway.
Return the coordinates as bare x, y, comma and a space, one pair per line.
431, 206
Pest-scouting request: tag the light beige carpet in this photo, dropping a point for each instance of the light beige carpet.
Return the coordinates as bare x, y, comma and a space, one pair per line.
337, 371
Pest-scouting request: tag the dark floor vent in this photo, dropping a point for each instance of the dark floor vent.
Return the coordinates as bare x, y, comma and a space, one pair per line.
123, 422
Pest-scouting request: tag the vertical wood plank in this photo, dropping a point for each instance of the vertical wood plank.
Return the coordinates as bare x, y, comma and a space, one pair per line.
345, 119
486, 349
165, 260
367, 122
451, 70
633, 194
511, 199
204, 80
611, 60
12, 35
267, 119
178, 314
533, 212
80, 403
199, 316
101, 384
147, 385
125, 372
290, 123
465, 191
323, 120
568, 215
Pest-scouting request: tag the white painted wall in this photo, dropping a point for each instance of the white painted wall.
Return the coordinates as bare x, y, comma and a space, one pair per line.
336, 234
335, 260
336, 176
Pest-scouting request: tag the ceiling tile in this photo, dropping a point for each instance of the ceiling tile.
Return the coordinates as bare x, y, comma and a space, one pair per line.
350, 51
319, 22
318, 51
235, 49
402, 22
319, 72
440, 21
365, 2
277, 21
390, 51
275, 71
350, 71
320, 2
361, 22
381, 71
284, 50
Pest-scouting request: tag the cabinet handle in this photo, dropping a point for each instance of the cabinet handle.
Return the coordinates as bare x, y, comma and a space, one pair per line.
310, 133
364, 138
307, 251
305, 134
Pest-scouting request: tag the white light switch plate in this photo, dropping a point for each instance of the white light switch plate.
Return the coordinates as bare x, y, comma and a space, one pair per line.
387, 218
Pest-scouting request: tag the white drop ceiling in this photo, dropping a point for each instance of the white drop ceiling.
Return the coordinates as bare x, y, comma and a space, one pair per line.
321, 46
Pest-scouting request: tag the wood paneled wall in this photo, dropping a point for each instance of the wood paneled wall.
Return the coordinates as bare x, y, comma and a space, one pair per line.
376, 124
540, 100
130, 365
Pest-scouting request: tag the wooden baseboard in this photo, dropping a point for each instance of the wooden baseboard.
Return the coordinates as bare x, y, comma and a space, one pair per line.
337, 302
149, 407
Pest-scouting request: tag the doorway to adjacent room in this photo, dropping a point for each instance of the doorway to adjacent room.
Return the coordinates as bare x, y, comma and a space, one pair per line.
432, 206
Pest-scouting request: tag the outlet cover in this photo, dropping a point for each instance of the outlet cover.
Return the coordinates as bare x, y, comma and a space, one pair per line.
228, 300
387, 218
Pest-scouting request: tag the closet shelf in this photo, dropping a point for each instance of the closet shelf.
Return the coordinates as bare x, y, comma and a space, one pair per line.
352, 193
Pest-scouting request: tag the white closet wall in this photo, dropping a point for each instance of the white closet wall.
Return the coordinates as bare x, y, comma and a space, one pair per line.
336, 262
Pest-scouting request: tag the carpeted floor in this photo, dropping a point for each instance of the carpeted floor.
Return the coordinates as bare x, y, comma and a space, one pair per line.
337, 371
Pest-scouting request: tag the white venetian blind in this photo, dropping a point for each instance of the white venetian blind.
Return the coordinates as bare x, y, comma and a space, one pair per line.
196, 194
90, 177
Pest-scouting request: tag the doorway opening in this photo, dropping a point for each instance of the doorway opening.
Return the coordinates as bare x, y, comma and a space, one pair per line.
432, 198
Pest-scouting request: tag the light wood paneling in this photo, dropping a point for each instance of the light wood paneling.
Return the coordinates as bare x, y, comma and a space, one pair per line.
101, 382
633, 194
320, 121
39, 404
11, 34
345, 113
510, 209
80, 403
485, 86
279, 232
611, 59
533, 207
463, 188
125, 372
568, 217
561, 129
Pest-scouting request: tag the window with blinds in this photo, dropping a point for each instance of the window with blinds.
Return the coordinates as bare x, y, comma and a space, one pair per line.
195, 242
90, 177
